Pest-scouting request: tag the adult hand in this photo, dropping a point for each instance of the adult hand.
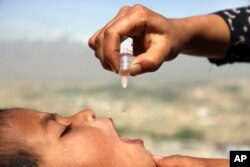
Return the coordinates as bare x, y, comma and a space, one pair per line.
156, 39
185, 161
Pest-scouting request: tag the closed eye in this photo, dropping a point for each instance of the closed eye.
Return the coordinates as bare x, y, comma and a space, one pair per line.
67, 129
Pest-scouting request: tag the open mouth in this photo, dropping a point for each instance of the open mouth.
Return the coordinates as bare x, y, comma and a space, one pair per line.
126, 139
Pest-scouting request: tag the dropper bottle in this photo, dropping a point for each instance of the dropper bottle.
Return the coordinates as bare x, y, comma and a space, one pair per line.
126, 55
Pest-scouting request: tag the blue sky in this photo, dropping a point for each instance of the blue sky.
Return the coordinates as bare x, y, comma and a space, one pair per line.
78, 19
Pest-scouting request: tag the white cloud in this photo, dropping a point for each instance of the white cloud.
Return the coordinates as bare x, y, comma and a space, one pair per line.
22, 29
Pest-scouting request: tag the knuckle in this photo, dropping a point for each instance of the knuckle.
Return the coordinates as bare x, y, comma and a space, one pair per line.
91, 43
124, 9
98, 40
108, 32
141, 13
139, 7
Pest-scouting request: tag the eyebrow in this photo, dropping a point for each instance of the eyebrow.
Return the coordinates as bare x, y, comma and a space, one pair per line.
48, 117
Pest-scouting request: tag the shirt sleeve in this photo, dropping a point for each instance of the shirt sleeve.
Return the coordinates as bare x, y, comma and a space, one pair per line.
238, 21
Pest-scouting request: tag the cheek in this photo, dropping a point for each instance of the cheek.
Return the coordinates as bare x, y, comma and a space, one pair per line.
91, 146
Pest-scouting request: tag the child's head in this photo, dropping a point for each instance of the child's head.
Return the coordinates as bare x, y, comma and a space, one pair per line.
31, 138
13, 151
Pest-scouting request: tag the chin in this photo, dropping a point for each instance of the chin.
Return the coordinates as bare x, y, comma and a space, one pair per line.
143, 158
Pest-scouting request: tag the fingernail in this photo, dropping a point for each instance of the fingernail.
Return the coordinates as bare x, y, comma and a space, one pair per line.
135, 69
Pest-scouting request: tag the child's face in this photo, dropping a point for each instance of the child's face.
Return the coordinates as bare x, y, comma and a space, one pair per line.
88, 142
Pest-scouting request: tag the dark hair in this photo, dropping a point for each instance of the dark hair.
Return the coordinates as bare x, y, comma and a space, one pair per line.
13, 153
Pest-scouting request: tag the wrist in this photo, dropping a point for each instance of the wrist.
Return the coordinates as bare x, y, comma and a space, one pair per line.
193, 27
207, 35
187, 30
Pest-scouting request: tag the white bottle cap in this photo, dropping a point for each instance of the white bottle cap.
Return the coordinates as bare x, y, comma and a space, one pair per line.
126, 46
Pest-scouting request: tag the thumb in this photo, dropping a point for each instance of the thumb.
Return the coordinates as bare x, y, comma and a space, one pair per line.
171, 161
162, 161
157, 158
144, 63
149, 61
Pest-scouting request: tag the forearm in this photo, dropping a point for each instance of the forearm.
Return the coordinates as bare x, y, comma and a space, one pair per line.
186, 161
206, 35
217, 162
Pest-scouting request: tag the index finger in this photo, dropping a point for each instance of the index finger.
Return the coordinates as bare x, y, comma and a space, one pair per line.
122, 27
92, 39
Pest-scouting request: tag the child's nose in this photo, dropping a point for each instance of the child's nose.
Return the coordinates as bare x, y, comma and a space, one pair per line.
85, 115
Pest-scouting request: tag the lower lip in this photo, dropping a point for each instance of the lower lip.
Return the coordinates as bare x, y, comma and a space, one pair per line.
132, 141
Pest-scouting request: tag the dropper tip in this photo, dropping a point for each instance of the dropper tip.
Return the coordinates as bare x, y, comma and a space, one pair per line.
124, 81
